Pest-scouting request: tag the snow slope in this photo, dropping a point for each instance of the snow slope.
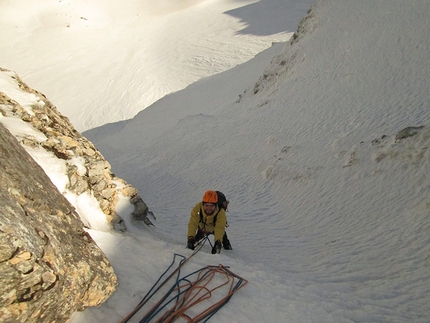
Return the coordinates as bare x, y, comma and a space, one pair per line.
330, 201
322, 193
68, 48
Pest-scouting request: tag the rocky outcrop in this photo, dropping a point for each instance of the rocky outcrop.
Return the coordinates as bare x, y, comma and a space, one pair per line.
49, 265
66, 143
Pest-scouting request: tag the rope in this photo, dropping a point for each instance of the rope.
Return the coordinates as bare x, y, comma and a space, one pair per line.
187, 293
199, 291
155, 289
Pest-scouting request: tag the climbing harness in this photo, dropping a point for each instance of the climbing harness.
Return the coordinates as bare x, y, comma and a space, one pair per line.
213, 220
189, 291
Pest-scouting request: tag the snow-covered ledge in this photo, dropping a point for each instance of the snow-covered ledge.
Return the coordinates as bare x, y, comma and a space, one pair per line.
72, 162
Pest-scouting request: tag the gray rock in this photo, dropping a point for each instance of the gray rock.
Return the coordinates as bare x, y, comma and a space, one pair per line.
49, 266
67, 143
408, 132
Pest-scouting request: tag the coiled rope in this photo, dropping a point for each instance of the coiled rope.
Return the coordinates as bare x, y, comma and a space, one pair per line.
189, 291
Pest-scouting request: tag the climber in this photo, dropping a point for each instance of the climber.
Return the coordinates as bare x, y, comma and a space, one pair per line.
209, 217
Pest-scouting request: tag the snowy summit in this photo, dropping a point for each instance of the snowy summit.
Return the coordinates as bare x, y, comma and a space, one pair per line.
320, 142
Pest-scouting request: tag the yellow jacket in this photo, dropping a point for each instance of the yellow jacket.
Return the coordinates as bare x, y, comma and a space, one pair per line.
207, 223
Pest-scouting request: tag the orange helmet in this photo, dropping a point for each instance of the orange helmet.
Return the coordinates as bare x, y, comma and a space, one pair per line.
210, 197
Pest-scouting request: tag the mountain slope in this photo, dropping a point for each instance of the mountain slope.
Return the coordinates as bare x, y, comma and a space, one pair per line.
323, 190
150, 48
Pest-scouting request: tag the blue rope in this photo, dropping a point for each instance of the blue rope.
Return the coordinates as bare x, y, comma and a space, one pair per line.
176, 298
151, 292
180, 286
154, 312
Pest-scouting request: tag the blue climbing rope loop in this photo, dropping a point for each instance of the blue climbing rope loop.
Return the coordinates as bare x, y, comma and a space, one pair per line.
188, 291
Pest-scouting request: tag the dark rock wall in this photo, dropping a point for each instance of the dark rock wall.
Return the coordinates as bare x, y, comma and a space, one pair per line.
49, 266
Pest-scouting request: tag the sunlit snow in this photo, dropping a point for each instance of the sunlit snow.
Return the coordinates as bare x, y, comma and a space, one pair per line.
330, 211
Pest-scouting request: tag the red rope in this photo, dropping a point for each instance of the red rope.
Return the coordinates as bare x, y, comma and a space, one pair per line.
198, 292
192, 293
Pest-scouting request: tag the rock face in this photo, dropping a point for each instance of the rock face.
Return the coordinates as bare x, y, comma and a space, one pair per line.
49, 266
67, 144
